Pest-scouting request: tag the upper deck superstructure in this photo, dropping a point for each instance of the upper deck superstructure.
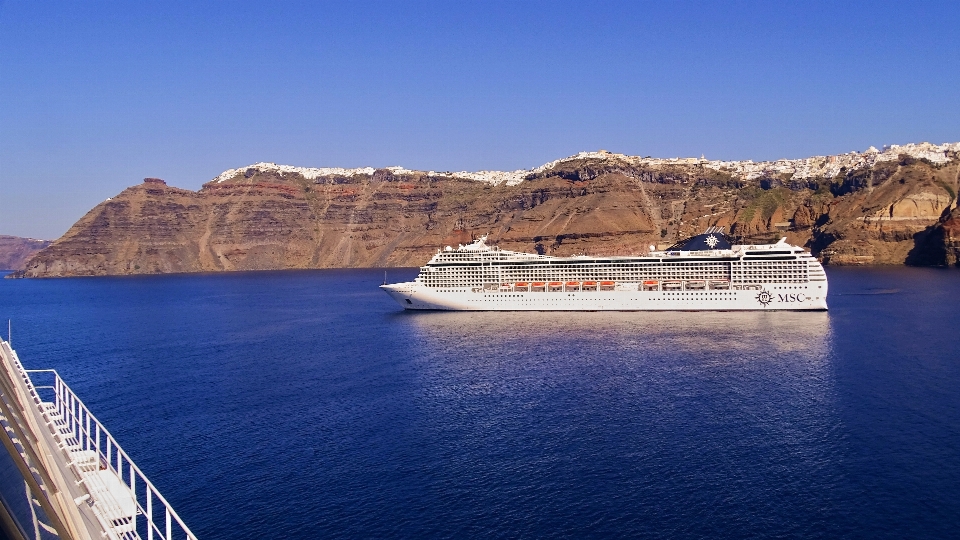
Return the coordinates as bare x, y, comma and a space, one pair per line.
702, 272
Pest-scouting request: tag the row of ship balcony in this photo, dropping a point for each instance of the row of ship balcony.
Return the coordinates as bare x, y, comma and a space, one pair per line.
596, 286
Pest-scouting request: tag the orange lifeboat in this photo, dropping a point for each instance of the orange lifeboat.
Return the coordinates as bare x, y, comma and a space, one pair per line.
589, 285
606, 285
556, 286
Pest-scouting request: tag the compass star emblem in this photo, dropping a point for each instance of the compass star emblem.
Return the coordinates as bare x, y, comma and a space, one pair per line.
712, 241
765, 298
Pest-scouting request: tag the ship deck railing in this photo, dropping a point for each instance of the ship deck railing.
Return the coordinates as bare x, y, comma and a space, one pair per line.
100, 477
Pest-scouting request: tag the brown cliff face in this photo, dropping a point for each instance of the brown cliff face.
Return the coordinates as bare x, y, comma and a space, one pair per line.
939, 244
15, 251
951, 239
886, 215
260, 219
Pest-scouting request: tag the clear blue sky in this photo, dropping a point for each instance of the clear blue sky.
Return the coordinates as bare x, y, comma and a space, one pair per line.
94, 96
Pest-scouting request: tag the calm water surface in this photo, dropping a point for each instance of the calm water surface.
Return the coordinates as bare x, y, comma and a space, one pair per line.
307, 404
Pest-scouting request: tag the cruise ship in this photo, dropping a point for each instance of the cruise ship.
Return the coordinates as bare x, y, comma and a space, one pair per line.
703, 272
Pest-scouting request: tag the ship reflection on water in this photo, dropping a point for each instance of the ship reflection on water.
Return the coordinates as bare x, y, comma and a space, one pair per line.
734, 333
781, 359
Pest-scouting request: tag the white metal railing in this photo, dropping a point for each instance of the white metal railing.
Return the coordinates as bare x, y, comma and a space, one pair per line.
124, 501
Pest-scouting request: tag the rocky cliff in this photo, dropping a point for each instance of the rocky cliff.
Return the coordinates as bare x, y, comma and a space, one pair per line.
15, 251
877, 207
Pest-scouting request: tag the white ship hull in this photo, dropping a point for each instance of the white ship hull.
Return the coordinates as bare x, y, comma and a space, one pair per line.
772, 297
704, 272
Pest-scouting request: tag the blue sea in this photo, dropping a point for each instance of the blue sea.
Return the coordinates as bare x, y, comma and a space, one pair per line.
307, 404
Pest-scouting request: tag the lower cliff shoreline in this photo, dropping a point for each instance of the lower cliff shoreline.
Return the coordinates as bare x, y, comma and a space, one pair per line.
20, 274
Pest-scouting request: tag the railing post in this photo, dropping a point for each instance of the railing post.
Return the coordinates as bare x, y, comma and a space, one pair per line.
68, 410
149, 513
74, 413
169, 529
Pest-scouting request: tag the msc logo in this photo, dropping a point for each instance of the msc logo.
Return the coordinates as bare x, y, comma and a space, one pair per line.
792, 297
766, 298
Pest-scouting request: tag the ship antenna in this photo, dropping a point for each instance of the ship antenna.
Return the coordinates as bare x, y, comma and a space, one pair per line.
9, 339
384, 277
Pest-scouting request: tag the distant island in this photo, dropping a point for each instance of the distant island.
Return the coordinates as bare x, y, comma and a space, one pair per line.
15, 251
896, 205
